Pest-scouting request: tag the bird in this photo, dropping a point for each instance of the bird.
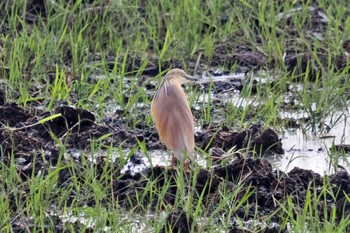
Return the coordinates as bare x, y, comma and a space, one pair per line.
173, 118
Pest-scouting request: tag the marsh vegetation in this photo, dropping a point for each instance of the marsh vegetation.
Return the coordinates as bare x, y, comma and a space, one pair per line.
76, 81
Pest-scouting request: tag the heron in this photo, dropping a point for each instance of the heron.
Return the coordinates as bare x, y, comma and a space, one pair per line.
173, 118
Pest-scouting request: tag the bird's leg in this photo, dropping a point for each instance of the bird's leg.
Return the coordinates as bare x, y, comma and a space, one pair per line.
172, 161
187, 166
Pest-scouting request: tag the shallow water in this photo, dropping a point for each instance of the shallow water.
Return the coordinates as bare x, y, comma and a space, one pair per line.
131, 222
309, 151
302, 148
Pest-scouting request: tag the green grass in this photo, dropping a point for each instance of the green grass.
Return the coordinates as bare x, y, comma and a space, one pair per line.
93, 56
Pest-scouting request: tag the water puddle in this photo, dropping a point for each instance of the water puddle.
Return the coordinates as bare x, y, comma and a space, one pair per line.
303, 148
90, 219
309, 151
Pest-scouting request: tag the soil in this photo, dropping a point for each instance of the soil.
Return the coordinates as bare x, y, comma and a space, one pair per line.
24, 137
78, 127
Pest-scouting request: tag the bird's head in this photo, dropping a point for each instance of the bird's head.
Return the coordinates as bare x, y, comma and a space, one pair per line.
179, 76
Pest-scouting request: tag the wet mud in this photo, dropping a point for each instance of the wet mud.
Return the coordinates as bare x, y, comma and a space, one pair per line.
255, 140
26, 140
26, 132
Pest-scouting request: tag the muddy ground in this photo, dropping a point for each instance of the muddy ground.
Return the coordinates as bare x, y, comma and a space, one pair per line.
22, 137
26, 140
19, 133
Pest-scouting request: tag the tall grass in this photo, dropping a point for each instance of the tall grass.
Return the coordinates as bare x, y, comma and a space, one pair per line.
91, 55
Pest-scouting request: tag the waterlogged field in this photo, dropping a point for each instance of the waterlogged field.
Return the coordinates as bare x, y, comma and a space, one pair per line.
79, 150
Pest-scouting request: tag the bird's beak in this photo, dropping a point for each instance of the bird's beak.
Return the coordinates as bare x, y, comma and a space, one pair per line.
191, 78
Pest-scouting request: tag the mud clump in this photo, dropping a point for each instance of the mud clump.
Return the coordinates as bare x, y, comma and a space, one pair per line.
77, 127
72, 116
266, 186
2, 95
340, 184
128, 187
255, 140
11, 114
178, 222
